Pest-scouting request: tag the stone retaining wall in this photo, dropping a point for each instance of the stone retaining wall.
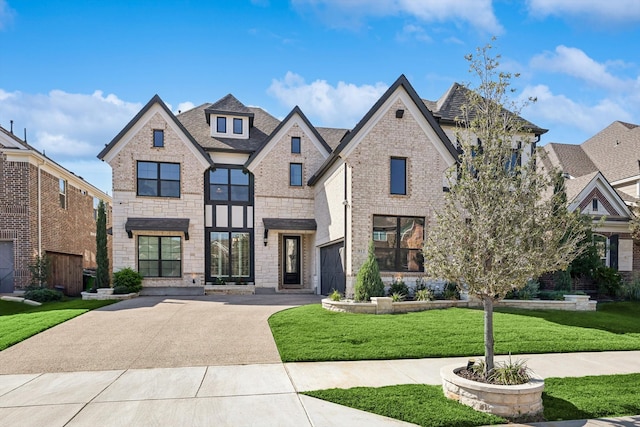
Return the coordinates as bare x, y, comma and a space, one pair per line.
385, 305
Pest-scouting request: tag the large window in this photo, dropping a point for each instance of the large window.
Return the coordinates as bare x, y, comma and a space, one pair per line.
158, 179
159, 256
398, 242
230, 254
295, 174
229, 185
398, 175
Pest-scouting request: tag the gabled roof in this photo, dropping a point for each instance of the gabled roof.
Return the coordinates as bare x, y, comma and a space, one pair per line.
229, 104
448, 108
195, 122
9, 140
401, 81
615, 150
296, 111
570, 158
153, 101
581, 191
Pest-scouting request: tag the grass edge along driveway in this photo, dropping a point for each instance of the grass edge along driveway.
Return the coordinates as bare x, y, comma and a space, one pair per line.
425, 405
311, 333
20, 321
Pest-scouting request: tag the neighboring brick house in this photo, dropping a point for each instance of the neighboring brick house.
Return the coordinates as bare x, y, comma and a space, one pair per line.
602, 179
225, 192
44, 208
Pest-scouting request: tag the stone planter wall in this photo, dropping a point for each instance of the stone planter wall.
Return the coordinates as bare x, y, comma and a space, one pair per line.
385, 305
107, 295
510, 401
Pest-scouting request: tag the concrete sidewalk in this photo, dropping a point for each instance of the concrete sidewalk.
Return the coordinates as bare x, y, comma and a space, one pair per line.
257, 394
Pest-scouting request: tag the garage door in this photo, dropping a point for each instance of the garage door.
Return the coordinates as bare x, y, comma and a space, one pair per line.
331, 269
6, 267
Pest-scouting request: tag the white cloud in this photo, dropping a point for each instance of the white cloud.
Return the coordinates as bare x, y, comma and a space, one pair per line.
605, 12
413, 32
576, 63
69, 127
342, 105
185, 106
6, 14
558, 111
477, 13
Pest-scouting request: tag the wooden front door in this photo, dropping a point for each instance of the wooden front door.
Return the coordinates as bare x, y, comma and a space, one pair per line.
291, 261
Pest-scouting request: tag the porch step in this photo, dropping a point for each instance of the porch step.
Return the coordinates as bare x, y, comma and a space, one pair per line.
229, 289
296, 291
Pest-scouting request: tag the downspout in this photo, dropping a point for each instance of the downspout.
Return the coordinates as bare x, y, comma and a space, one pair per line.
346, 206
40, 209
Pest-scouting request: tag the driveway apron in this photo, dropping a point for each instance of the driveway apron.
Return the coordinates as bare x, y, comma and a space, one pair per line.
157, 332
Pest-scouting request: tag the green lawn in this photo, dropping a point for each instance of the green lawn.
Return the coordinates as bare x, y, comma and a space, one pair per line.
20, 321
563, 399
311, 333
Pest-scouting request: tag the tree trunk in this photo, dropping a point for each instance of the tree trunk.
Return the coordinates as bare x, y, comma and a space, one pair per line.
487, 303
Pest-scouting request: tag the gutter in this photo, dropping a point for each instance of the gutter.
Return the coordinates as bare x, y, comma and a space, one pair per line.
346, 207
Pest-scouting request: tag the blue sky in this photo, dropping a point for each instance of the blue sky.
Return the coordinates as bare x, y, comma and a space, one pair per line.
75, 72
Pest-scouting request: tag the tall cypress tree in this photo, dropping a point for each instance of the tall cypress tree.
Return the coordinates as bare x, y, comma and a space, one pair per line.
102, 257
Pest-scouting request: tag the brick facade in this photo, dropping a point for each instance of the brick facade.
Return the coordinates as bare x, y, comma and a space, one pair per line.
24, 174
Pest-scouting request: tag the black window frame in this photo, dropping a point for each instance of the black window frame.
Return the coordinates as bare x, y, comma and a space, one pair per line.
158, 179
158, 138
397, 250
236, 121
160, 260
296, 145
291, 175
394, 171
229, 185
221, 120
594, 204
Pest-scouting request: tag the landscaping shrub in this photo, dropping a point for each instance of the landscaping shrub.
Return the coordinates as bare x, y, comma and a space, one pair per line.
397, 297
450, 291
562, 280
335, 295
398, 287
127, 281
552, 295
42, 294
630, 290
530, 291
608, 280
424, 295
368, 282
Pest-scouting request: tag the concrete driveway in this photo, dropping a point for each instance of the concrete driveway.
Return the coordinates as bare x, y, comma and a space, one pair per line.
157, 332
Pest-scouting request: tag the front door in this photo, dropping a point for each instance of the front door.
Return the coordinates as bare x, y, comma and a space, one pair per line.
6, 267
291, 262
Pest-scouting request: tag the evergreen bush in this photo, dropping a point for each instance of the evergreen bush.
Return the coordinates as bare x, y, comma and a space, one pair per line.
127, 281
368, 282
42, 294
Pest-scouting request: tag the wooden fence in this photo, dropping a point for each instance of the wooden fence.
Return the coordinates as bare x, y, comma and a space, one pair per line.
66, 271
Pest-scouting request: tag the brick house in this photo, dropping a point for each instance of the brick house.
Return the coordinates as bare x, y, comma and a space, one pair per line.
225, 192
602, 179
44, 208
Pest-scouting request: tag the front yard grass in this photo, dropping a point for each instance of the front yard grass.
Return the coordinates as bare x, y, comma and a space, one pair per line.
311, 333
563, 399
20, 321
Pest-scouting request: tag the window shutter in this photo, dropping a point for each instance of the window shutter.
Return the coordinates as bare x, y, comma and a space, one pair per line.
613, 251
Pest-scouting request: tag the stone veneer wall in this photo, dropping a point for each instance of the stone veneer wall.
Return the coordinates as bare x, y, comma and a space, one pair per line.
370, 168
190, 204
275, 198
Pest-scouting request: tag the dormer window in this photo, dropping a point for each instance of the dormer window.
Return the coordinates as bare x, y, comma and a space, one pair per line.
237, 126
221, 125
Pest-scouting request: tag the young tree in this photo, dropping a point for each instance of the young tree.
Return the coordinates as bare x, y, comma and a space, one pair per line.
102, 257
501, 223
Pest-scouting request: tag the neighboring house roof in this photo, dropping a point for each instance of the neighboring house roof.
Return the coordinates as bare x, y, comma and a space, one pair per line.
332, 136
570, 158
401, 81
10, 143
195, 121
448, 108
615, 150
580, 192
153, 101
